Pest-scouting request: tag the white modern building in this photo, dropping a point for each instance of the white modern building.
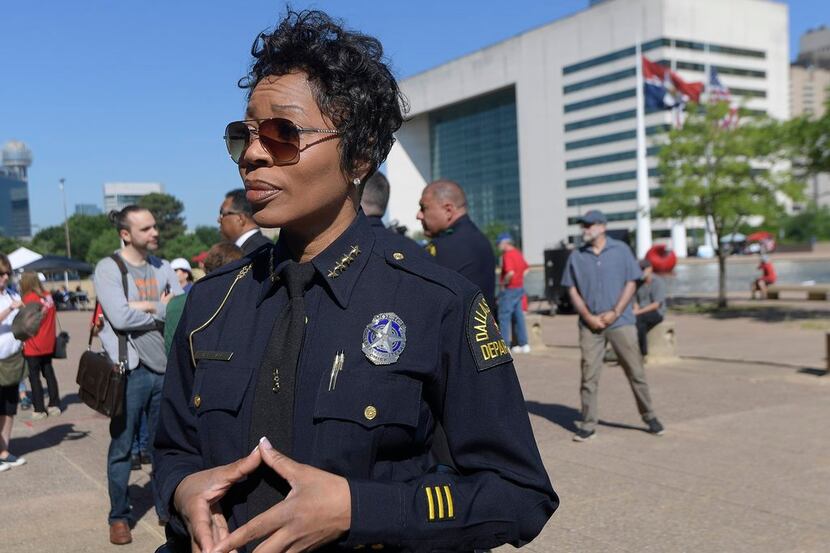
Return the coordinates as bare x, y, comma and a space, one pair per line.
809, 92
118, 195
540, 128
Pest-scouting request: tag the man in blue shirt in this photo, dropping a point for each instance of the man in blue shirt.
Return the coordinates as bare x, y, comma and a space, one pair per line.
601, 277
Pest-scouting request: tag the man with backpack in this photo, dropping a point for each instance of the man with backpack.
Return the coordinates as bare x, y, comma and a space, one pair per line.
133, 288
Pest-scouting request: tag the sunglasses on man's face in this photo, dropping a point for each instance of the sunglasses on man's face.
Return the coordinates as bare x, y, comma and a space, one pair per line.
280, 137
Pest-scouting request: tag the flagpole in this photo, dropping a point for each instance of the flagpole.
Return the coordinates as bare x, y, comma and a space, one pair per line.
710, 240
643, 200
678, 226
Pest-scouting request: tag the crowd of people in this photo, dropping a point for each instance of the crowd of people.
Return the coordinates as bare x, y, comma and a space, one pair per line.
252, 439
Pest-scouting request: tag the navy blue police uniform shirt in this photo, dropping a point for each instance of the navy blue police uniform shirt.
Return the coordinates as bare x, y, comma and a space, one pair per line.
465, 249
420, 350
407, 245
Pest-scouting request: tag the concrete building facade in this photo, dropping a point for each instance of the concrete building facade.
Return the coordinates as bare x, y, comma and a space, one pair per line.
809, 92
118, 195
540, 128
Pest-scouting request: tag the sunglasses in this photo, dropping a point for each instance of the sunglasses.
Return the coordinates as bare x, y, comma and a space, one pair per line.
280, 137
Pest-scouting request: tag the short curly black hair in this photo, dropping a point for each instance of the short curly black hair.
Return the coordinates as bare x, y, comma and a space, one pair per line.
352, 84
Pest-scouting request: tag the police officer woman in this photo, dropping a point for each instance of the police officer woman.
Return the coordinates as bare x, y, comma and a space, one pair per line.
372, 385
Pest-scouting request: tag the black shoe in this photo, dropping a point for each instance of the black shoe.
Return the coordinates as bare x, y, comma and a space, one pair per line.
654, 427
145, 458
135, 462
584, 435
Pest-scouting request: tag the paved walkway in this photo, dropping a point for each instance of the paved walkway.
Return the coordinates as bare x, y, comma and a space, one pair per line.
745, 464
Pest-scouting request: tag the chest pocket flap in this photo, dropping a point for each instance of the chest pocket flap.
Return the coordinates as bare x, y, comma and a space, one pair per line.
370, 398
218, 386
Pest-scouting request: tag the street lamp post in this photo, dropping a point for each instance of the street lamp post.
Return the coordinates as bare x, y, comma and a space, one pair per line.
65, 230
65, 220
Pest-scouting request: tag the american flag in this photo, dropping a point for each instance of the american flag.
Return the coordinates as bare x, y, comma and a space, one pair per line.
719, 92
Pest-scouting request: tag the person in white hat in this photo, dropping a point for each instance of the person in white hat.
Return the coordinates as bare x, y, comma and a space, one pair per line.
184, 272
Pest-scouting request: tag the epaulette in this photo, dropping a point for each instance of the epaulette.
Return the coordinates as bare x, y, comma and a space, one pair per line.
429, 270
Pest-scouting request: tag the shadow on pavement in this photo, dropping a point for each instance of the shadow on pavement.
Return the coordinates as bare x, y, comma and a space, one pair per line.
48, 438
70, 399
761, 312
566, 416
561, 415
814, 372
141, 499
621, 425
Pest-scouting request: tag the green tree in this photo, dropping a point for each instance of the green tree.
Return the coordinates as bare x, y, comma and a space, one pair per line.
724, 175
492, 231
167, 210
103, 246
83, 229
8, 245
811, 223
184, 245
208, 235
50, 241
810, 142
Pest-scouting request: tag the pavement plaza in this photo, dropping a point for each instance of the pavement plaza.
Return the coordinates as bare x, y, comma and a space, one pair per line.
744, 465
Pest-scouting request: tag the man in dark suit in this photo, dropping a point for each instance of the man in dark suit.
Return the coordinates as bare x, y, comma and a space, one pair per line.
237, 225
374, 200
456, 242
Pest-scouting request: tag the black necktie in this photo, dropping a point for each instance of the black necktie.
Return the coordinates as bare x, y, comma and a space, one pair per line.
273, 410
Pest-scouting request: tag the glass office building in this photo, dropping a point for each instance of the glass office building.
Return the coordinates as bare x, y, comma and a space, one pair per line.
475, 144
14, 206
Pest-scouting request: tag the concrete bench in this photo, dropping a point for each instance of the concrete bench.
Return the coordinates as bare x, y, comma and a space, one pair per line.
662, 345
534, 332
814, 291
662, 342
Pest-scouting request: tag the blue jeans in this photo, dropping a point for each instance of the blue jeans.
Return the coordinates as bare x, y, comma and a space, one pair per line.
510, 309
141, 439
143, 392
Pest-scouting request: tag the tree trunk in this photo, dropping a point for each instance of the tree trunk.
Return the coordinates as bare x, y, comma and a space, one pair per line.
721, 278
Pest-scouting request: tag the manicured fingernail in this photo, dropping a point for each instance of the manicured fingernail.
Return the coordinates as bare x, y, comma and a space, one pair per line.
254, 449
263, 441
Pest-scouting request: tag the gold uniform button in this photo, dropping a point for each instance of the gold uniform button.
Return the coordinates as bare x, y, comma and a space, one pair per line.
370, 412
197, 401
398, 256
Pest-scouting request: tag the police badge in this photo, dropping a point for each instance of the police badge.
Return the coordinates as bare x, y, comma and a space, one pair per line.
384, 339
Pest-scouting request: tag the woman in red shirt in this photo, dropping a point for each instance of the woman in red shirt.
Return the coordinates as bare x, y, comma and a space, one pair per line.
39, 349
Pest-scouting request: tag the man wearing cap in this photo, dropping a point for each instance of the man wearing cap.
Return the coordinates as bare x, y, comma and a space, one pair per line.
456, 242
184, 272
649, 304
513, 270
601, 278
236, 222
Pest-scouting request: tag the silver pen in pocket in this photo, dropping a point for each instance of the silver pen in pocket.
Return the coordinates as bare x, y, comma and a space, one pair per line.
336, 367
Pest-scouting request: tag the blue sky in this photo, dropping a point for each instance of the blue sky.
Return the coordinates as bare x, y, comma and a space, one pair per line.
142, 90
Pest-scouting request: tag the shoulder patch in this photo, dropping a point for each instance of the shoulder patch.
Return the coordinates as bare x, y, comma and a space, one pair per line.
486, 344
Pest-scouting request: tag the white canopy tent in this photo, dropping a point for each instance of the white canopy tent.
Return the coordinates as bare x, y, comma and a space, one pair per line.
22, 257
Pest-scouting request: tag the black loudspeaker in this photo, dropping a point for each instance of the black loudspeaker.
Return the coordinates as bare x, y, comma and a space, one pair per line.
558, 297
623, 235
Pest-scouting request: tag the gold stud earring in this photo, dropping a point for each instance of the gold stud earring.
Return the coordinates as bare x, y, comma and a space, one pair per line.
356, 182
